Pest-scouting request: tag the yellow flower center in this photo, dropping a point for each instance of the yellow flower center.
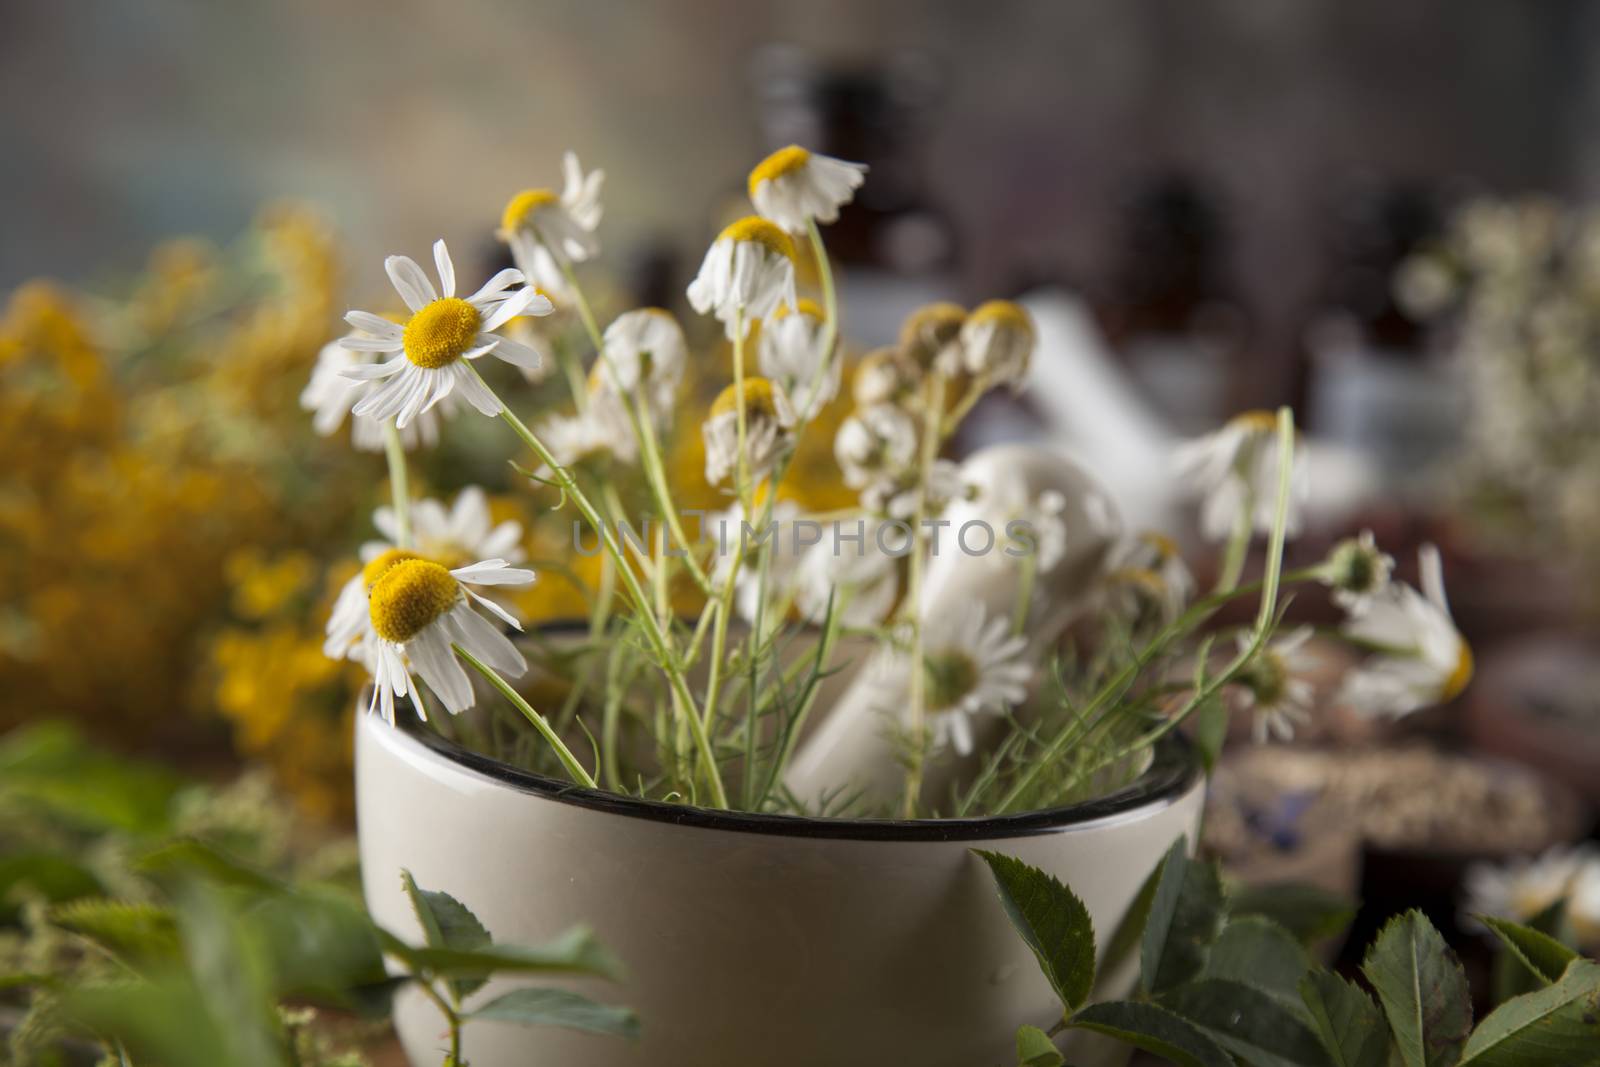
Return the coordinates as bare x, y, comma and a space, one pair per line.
1165, 547
520, 208
379, 565
804, 306
949, 676
437, 335
1459, 677
784, 161
1005, 314
408, 597
759, 231
760, 400
1259, 421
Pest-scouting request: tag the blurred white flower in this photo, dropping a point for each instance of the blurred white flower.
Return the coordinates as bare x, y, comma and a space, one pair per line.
1236, 468
442, 332
794, 185
769, 424
885, 376
1272, 689
747, 273
1148, 571
790, 352
873, 442
544, 229
972, 665
1356, 570
1520, 889
1421, 660
857, 567
644, 350
997, 342
931, 337
330, 395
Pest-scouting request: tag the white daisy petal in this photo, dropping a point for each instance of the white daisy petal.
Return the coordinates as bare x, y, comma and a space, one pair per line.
410, 282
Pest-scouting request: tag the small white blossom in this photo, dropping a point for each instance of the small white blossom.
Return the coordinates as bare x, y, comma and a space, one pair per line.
747, 273
1236, 468
793, 186
1422, 659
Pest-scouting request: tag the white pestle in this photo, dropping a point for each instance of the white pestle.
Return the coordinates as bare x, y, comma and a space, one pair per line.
853, 751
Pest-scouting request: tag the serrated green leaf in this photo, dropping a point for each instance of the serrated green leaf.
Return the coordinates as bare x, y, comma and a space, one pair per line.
1510, 977
448, 923
1259, 952
189, 856
138, 934
48, 875
1250, 1023
1351, 1026
1186, 915
1035, 1049
1052, 921
322, 946
1557, 1026
1210, 731
1422, 989
1154, 1029
574, 952
1543, 956
559, 1007
1125, 938
1310, 913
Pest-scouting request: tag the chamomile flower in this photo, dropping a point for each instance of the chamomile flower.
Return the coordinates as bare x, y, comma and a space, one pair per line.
769, 426
790, 352
792, 186
1273, 689
442, 332
576, 439
931, 337
856, 568
330, 395
1146, 572
972, 665
1236, 468
546, 231
450, 537
418, 610
644, 352
874, 442
1522, 888
1422, 659
1357, 571
945, 482
997, 342
886, 376
747, 273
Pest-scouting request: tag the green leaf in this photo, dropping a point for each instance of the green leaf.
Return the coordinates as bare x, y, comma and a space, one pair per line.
137, 934
574, 952
51, 768
322, 946
448, 923
1259, 952
1544, 957
1250, 1023
1423, 991
1510, 976
1186, 916
1154, 1029
1308, 912
49, 875
1210, 731
190, 856
1052, 921
1352, 1028
1125, 938
558, 1007
1557, 1026
1035, 1049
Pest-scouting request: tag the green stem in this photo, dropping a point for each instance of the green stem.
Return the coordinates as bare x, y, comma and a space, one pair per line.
931, 437
577, 770
660, 644
741, 470
1238, 545
830, 305
451, 1016
399, 483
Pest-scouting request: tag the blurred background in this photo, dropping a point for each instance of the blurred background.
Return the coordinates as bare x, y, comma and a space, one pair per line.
1377, 213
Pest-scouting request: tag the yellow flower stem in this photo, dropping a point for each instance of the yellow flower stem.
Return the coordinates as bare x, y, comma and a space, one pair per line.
577, 771
660, 642
399, 484
932, 423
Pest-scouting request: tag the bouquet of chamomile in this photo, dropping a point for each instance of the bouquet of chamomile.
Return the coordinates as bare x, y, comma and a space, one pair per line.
965, 638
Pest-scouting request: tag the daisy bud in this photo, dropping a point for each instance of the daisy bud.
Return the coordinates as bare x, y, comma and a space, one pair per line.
931, 337
1357, 571
874, 441
792, 186
769, 419
747, 273
997, 341
790, 352
885, 376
